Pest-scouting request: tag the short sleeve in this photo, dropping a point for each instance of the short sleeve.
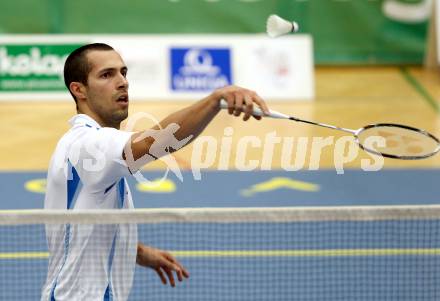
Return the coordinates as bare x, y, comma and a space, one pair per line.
96, 155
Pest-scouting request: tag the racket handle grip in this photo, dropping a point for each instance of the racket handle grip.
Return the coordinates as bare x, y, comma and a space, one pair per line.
257, 111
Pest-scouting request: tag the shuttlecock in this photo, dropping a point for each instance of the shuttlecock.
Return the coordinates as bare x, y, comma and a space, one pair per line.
277, 26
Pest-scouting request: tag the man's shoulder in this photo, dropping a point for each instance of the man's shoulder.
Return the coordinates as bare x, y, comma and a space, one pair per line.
74, 136
74, 133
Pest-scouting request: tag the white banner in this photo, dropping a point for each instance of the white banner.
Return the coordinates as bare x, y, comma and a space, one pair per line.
163, 67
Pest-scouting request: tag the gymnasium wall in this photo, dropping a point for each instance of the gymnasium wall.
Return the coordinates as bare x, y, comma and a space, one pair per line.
344, 31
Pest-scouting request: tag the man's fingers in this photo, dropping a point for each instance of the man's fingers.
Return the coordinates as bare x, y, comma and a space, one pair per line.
244, 101
170, 276
161, 276
177, 267
238, 104
174, 267
262, 104
168, 268
248, 108
179, 274
184, 272
180, 270
231, 102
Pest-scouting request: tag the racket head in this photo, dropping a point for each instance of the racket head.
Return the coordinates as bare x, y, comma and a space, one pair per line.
401, 141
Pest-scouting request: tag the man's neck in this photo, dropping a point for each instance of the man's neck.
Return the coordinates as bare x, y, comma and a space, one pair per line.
98, 119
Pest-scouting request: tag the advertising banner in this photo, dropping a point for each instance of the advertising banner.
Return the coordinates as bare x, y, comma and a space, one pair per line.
162, 67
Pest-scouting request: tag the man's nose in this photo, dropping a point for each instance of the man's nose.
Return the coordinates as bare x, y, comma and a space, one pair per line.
122, 82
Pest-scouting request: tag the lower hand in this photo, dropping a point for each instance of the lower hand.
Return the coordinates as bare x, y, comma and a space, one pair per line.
162, 262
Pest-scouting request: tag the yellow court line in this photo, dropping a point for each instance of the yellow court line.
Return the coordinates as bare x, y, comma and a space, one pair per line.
24, 255
264, 253
307, 253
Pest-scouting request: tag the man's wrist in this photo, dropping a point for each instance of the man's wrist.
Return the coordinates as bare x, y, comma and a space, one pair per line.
214, 100
140, 255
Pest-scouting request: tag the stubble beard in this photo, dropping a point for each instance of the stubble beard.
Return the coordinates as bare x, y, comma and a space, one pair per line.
118, 116
112, 118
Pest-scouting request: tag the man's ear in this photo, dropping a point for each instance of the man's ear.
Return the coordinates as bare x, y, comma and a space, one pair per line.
78, 89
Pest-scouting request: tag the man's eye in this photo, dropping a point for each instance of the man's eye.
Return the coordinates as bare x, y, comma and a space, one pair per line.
105, 75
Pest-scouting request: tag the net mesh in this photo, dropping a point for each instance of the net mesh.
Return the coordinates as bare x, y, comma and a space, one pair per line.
359, 253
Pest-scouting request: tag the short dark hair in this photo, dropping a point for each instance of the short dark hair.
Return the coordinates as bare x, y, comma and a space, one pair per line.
77, 68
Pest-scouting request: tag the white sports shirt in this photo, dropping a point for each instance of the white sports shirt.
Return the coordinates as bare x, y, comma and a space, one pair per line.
87, 171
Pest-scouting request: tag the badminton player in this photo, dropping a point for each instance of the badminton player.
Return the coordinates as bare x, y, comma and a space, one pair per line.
88, 170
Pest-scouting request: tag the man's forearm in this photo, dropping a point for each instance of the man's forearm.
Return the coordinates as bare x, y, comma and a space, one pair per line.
193, 119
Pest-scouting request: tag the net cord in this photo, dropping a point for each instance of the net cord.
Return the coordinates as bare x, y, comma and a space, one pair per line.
220, 215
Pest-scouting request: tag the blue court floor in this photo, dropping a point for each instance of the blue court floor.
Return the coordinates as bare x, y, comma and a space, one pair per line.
387, 260
25, 190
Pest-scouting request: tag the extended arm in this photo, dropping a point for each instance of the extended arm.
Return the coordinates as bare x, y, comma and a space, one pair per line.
191, 121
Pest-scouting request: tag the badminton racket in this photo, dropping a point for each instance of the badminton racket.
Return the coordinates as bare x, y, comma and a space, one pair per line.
396, 140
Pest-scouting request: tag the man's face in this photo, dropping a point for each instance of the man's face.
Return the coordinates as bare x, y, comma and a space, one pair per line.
107, 86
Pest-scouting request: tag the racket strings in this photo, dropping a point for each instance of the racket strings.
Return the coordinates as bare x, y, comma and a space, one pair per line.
398, 141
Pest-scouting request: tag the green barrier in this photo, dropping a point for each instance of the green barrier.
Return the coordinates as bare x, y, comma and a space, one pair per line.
344, 32
33, 67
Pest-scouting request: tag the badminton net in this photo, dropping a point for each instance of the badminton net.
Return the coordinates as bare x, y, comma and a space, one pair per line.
320, 253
